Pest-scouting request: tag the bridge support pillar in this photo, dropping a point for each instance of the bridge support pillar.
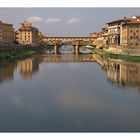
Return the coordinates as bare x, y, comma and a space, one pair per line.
73, 49
56, 51
77, 49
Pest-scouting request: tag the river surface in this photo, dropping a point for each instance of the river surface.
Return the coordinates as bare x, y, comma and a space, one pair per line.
70, 93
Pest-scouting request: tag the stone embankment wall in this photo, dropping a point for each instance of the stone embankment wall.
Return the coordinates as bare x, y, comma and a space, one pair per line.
125, 50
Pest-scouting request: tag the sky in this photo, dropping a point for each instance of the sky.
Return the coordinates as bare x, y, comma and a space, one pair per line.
66, 21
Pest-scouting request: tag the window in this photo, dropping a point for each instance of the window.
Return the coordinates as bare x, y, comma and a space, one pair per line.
136, 44
134, 33
137, 31
131, 37
131, 44
131, 31
137, 37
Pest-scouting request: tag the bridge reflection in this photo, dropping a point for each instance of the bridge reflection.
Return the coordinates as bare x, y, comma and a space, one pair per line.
119, 72
68, 58
30, 66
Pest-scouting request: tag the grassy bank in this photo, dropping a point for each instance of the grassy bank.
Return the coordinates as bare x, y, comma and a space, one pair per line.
7, 57
117, 56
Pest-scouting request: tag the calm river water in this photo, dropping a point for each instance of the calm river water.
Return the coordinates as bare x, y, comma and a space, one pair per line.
70, 93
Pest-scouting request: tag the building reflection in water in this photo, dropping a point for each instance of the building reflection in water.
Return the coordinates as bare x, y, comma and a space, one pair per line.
121, 72
125, 73
7, 72
28, 67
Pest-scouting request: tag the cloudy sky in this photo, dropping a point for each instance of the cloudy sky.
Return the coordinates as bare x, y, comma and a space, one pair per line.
66, 21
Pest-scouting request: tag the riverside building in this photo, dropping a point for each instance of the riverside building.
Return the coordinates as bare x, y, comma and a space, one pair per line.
124, 32
28, 35
6, 34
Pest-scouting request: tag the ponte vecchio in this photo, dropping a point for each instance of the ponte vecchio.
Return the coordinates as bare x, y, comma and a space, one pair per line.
75, 42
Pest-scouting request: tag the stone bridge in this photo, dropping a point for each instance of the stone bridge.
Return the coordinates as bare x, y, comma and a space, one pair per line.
76, 42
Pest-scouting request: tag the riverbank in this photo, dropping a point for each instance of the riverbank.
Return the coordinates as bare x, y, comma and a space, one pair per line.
8, 57
116, 56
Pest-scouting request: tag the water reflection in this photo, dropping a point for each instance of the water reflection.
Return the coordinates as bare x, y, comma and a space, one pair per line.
118, 71
121, 72
69, 95
28, 67
67, 58
7, 72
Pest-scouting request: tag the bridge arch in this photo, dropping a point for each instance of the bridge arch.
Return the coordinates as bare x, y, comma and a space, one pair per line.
76, 42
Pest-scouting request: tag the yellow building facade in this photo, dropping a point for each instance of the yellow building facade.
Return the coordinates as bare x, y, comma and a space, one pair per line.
6, 33
27, 34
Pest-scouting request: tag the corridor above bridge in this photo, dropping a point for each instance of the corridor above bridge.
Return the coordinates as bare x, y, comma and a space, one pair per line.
69, 39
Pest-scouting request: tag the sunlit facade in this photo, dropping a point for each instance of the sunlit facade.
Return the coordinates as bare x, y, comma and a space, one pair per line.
27, 34
131, 34
124, 32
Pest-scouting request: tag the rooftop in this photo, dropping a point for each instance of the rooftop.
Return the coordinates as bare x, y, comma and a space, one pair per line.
131, 23
119, 20
133, 19
4, 23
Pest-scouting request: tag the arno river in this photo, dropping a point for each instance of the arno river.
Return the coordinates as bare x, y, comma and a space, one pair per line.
70, 93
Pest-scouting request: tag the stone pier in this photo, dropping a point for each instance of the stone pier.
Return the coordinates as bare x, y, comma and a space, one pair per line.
56, 50
77, 49
73, 49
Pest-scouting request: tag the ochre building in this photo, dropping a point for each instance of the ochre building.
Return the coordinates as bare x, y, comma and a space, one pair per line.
28, 35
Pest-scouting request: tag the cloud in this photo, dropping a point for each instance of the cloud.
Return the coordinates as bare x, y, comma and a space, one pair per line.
35, 19
52, 20
73, 21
